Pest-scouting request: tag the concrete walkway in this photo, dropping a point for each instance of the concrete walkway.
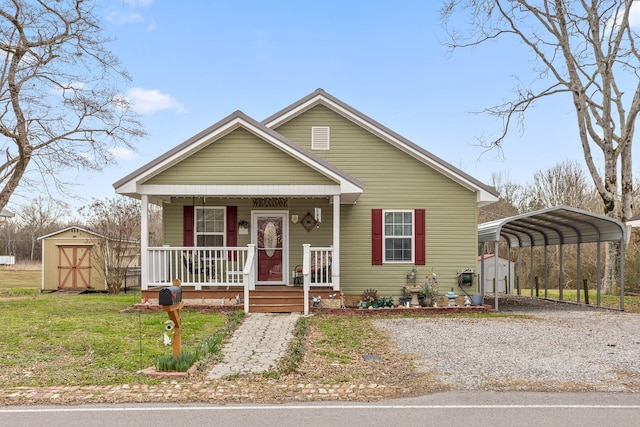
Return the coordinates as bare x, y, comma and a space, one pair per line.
257, 345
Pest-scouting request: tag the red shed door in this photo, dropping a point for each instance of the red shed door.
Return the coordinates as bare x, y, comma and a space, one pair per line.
74, 266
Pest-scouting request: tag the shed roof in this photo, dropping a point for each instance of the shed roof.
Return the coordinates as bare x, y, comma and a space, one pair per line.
553, 226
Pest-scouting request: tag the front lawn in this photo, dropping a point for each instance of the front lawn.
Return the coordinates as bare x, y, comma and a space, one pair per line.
49, 339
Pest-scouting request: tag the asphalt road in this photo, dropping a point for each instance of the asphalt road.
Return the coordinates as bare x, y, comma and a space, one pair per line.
454, 408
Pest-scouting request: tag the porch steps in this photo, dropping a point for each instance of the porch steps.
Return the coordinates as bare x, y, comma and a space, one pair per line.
290, 300
265, 299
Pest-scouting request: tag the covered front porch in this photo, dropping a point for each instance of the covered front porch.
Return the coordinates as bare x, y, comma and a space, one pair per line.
228, 275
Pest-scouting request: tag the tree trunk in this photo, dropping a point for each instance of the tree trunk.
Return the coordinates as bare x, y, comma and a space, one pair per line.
611, 282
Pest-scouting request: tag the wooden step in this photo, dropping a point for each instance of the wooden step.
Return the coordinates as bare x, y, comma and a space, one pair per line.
272, 299
276, 302
276, 308
290, 300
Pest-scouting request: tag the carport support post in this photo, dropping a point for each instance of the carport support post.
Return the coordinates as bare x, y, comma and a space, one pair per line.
578, 279
546, 270
507, 284
560, 275
598, 277
531, 272
482, 278
495, 275
622, 273
519, 275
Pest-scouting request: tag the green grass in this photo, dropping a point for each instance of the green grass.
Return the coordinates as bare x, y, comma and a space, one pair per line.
19, 279
631, 303
345, 337
291, 361
50, 339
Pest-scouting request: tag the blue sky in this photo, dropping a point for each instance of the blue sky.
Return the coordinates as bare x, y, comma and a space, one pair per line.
194, 62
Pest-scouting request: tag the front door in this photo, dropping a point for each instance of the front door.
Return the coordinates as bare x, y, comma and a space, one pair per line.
74, 266
270, 236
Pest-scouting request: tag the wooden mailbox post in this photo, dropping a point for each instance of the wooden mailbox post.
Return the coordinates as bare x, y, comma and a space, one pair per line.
170, 298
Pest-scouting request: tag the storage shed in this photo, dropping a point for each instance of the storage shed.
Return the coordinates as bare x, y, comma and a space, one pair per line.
72, 258
505, 282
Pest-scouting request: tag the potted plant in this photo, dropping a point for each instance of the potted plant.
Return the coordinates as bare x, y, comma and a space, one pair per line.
429, 291
412, 273
369, 297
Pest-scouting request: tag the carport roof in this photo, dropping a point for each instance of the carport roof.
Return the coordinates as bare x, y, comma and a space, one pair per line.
553, 226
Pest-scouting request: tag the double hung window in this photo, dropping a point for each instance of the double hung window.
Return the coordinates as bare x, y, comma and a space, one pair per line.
210, 226
398, 236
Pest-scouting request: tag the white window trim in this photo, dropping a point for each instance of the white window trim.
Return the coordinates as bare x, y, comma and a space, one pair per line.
195, 224
384, 236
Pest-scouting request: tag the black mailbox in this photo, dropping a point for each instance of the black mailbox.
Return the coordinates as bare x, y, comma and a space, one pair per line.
170, 295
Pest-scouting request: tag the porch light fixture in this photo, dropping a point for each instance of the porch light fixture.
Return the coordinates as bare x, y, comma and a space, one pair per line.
243, 227
318, 215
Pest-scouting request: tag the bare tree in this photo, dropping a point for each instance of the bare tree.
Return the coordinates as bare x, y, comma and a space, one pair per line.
59, 100
507, 205
40, 217
117, 221
563, 184
588, 50
8, 232
155, 226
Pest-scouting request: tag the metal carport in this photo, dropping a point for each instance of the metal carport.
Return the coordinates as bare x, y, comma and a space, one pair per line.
559, 225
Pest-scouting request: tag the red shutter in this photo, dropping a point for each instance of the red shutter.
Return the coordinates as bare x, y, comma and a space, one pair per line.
187, 228
420, 239
376, 237
232, 230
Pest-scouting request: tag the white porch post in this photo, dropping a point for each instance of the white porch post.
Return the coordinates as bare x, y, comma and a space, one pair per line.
335, 262
249, 274
495, 275
144, 242
306, 277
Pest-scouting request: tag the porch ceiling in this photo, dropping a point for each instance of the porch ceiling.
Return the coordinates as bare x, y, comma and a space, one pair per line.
166, 192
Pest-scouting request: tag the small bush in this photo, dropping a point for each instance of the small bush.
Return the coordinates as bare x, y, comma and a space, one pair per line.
180, 364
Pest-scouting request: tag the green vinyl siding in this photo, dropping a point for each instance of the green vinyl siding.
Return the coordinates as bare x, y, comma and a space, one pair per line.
393, 180
240, 158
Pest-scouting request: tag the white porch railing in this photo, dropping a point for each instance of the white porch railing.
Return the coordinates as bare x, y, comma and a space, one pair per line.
197, 266
231, 267
316, 270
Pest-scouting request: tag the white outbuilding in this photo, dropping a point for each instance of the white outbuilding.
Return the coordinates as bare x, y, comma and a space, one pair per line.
505, 282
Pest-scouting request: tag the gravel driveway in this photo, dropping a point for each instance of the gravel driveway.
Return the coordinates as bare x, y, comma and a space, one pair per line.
542, 349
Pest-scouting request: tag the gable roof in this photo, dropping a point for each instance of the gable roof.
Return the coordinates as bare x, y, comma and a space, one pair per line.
84, 230
634, 221
71, 227
350, 187
485, 194
491, 256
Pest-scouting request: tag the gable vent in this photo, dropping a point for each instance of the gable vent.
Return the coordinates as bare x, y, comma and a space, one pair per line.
320, 138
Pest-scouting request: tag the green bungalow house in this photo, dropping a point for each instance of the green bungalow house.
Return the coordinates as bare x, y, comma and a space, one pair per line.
317, 199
